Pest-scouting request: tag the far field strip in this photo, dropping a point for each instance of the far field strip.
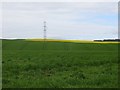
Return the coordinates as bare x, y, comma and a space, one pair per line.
74, 41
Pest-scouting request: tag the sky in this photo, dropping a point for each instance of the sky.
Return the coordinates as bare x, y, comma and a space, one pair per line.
65, 20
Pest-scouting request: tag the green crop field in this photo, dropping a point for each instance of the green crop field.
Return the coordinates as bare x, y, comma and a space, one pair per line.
35, 64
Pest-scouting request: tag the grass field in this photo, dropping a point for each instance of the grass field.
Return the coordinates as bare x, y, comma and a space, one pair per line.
52, 64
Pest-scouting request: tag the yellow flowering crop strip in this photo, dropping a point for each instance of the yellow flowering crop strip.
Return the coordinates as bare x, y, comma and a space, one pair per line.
74, 41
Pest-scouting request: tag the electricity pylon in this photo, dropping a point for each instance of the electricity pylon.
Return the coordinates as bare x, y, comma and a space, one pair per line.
44, 35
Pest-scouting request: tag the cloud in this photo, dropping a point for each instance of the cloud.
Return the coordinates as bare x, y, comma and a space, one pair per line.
60, 0
64, 20
0, 19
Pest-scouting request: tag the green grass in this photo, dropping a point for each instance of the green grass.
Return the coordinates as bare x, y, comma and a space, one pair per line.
29, 64
0, 64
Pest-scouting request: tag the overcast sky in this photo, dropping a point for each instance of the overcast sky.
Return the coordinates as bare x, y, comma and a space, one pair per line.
70, 20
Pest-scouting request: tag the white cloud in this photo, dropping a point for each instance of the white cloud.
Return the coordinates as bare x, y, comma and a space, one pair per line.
25, 20
60, 0
0, 19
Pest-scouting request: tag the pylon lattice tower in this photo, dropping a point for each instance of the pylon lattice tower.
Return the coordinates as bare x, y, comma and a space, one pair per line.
45, 36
